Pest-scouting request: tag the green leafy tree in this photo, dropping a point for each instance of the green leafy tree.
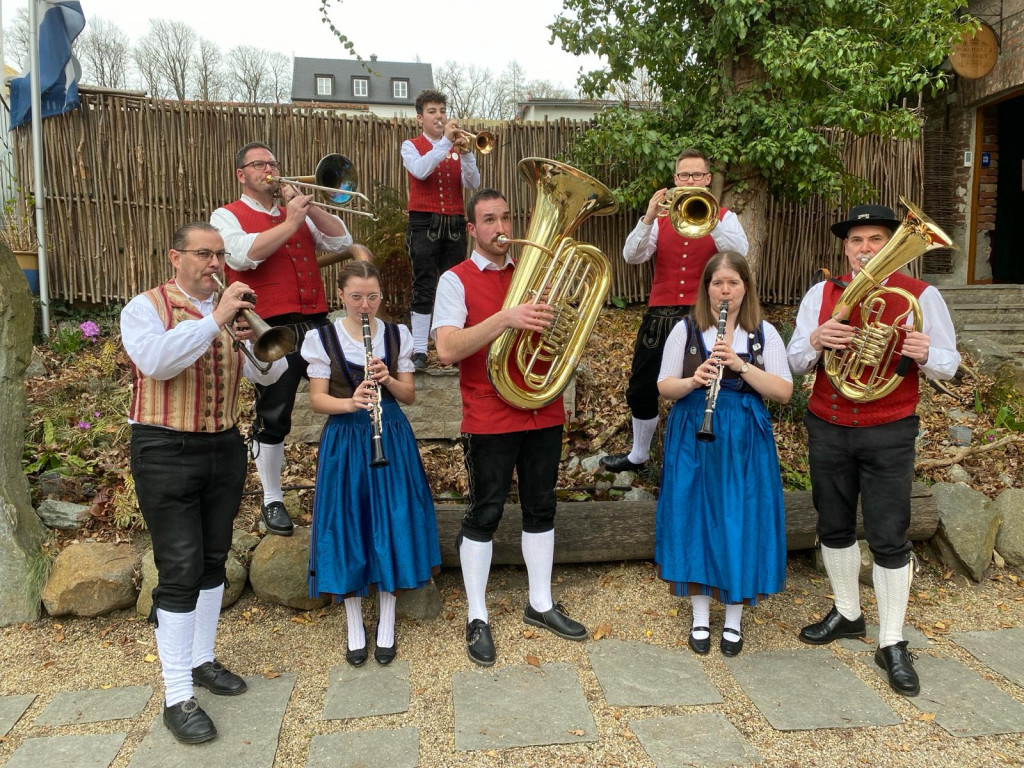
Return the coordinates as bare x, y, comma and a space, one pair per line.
751, 82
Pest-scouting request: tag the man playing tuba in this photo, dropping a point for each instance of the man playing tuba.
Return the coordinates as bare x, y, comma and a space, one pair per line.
865, 447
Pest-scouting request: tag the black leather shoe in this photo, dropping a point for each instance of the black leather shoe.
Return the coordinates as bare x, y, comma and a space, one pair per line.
832, 627
555, 620
479, 644
381, 654
358, 656
620, 462
188, 723
275, 517
700, 647
419, 360
731, 647
218, 679
898, 662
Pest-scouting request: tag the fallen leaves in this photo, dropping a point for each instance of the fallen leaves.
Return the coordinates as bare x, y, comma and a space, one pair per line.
149, 658
533, 661
602, 630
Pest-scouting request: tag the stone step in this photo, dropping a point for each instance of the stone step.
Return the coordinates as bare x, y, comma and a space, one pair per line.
982, 294
986, 316
1002, 328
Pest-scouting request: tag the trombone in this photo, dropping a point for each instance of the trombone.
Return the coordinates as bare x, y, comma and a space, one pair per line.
692, 211
336, 177
269, 344
482, 142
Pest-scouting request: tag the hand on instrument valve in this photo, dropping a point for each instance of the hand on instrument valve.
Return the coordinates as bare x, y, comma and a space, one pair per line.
297, 206
379, 372
452, 131
832, 334
916, 345
243, 332
365, 396
233, 300
654, 206
724, 353
529, 316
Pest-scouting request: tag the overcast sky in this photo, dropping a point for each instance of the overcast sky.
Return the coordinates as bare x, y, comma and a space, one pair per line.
485, 34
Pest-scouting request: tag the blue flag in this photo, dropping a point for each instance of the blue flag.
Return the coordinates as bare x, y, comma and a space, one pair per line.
60, 22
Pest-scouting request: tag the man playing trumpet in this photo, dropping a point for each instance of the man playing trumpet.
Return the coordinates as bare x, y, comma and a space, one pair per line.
273, 248
866, 448
440, 165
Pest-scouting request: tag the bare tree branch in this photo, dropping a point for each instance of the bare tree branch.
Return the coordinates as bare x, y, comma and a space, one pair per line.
105, 54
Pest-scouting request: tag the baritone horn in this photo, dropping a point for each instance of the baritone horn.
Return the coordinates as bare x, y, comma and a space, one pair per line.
482, 142
335, 177
530, 369
269, 344
865, 371
692, 211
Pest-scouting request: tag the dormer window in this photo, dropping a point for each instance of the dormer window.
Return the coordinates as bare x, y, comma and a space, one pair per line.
324, 85
360, 87
400, 89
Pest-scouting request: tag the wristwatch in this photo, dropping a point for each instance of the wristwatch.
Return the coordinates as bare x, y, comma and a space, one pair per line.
744, 368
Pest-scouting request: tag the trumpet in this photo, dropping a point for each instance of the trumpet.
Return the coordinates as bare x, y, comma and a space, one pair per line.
270, 344
692, 211
335, 176
482, 142
706, 433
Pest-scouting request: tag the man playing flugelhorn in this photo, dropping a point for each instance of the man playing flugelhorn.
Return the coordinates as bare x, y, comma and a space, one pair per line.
864, 446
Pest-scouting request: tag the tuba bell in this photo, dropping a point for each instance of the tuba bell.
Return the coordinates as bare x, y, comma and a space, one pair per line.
864, 371
530, 369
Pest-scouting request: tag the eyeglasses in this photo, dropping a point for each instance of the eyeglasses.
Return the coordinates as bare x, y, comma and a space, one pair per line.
692, 176
205, 253
262, 165
373, 298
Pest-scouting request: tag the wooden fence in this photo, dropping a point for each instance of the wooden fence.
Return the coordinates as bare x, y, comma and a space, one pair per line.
123, 172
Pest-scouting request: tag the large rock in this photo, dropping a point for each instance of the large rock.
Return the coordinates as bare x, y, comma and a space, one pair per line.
968, 524
237, 575
91, 580
65, 515
421, 604
1010, 539
279, 571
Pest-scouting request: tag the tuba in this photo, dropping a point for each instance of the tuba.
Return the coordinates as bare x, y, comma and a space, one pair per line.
861, 372
530, 369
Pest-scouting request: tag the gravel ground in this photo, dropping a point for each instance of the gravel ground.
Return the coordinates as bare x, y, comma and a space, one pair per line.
54, 655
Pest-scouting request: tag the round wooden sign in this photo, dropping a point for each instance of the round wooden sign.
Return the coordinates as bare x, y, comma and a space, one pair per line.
975, 56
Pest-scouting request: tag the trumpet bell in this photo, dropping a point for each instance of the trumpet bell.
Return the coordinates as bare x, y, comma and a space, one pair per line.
270, 344
337, 172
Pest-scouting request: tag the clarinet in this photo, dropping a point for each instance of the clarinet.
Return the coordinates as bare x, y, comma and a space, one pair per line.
376, 443
706, 433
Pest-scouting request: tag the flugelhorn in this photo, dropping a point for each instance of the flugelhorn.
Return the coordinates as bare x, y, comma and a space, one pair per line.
336, 177
483, 142
692, 211
269, 344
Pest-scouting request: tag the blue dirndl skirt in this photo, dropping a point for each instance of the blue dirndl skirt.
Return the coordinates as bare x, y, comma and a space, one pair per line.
721, 520
371, 527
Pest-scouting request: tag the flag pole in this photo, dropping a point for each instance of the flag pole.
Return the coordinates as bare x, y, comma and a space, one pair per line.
37, 163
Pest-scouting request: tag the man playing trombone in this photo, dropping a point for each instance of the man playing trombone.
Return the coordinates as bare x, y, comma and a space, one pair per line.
273, 247
440, 165
678, 267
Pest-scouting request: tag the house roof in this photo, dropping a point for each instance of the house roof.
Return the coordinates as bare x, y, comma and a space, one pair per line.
379, 73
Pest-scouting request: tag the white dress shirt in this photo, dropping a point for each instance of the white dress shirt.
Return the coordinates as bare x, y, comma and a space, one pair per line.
450, 300
320, 362
675, 350
422, 166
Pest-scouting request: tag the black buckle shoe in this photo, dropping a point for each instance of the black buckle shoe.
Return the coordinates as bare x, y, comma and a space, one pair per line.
555, 620
188, 723
832, 627
700, 647
479, 644
384, 655
218, 679
620, 462
731, 647
898, 663
358, 656
275, 517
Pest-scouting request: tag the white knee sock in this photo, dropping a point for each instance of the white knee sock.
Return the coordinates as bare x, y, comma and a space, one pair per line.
354, 616
643, 433
539, 554
205, 633
701, 605
420, 332
475, 557
269, 462
843, 569
386, 602
892, 589
734, 619
174, 633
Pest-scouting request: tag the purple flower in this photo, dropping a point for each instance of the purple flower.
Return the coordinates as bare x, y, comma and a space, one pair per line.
84, 425
89, 330
97, 414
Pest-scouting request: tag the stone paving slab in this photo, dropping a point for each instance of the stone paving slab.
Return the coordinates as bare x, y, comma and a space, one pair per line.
95, 706
1000, 650
635, 674
367, 690
707, 740
68, 751
520, 706
12, 708
399, 748
248, 727
917, 640
804, 690
964, 703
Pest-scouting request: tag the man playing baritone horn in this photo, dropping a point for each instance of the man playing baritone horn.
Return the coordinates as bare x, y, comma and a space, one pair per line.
188, 462
866, 449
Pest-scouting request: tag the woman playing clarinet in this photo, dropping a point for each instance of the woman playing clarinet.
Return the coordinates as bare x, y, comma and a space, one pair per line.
720, 530
372, 526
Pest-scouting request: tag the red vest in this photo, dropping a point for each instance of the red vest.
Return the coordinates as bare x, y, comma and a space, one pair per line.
201, 398
441, 191
827, 404
288, 281
678, 266
483, 412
